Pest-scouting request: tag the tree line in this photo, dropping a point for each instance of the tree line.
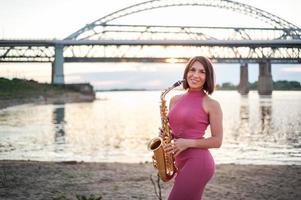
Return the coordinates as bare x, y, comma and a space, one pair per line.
277, 85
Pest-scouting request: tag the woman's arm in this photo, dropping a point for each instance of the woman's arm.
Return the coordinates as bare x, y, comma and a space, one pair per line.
216, 127
215, 117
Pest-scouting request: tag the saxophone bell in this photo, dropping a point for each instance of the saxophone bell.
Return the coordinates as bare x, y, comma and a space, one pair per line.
155, 144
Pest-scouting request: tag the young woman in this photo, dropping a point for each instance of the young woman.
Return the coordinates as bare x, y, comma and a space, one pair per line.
189, 116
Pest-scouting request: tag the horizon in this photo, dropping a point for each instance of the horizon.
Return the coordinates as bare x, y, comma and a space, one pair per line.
106, 76
146, 76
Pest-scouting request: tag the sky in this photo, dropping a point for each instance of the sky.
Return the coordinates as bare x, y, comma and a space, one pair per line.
56, 19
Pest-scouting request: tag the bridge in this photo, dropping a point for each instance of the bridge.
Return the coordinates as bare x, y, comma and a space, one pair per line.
104, 41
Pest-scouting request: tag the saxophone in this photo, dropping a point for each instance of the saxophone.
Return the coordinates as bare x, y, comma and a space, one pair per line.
162, 161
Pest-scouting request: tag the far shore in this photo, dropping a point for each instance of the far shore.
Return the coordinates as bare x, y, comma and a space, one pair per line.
64, 180
21, 91
64, 98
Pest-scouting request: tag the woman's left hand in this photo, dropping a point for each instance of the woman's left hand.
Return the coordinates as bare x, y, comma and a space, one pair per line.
177, 146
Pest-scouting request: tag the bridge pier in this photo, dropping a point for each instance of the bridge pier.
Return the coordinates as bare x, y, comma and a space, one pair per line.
265, 81
244, 86
57, 74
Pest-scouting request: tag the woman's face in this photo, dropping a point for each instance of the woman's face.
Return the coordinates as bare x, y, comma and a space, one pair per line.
196, 76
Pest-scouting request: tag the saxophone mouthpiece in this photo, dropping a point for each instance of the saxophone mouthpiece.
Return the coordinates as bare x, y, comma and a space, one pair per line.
178, 83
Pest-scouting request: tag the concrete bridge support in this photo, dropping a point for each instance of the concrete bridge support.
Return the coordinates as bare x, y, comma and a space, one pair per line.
244, 86
265, 81
57, 76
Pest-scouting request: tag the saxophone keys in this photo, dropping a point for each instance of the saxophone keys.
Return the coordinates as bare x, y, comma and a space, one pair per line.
155, 162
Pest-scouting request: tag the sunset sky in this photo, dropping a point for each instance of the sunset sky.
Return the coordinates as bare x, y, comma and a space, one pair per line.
49, 19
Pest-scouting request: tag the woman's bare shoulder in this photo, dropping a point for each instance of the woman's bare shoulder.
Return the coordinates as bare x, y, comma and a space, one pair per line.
211, 105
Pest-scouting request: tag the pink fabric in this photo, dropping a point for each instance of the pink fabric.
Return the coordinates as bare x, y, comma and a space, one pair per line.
196, 166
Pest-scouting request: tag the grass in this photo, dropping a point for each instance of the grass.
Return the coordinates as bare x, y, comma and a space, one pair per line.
21, 88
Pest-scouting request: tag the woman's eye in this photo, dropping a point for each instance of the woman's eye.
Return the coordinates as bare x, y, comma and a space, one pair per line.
199, 71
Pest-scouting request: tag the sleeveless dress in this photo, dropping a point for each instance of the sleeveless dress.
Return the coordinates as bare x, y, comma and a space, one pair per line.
196, 166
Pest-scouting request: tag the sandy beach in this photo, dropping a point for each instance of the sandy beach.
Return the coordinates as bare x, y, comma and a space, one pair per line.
64, 180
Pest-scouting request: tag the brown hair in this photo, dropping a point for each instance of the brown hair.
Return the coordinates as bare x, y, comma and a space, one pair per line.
209, 82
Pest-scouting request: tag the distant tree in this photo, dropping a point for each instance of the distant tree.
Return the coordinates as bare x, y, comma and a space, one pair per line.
253, 86
286, 85
228, 86
277, 85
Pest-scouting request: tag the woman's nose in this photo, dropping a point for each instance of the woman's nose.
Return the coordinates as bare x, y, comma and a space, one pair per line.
195, 74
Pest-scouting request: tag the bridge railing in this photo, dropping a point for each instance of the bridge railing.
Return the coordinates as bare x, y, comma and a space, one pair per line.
133, 50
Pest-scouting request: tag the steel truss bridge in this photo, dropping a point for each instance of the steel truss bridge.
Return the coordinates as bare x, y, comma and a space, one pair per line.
105, 41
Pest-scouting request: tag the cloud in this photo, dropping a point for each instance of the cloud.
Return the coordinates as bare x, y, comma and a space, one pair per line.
292, 69
108, 82
84, 68
153, 83
72, 78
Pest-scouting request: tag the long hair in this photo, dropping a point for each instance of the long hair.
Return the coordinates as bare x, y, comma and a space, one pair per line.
209, 82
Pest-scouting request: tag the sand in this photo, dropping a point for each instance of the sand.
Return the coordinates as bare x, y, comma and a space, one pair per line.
64, 180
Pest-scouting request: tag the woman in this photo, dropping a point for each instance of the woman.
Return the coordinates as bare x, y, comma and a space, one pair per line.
189, 116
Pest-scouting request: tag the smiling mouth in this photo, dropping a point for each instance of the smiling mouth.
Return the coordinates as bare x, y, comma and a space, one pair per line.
194, 81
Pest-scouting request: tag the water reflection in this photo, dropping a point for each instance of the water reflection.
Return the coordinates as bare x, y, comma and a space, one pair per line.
257, 130
243, 128
58, 120
265, 107
244, 109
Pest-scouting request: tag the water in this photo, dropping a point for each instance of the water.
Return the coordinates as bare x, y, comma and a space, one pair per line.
118, 126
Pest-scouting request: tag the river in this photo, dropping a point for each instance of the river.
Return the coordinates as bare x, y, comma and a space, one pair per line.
118, 125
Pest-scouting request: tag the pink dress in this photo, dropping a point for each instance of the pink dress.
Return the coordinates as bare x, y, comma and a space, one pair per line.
196, 166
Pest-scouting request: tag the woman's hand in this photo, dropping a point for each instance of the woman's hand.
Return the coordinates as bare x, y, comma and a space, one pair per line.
177, 146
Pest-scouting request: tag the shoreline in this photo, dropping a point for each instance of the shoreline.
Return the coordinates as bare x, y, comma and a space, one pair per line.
70, 97
21, 91
65, 180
